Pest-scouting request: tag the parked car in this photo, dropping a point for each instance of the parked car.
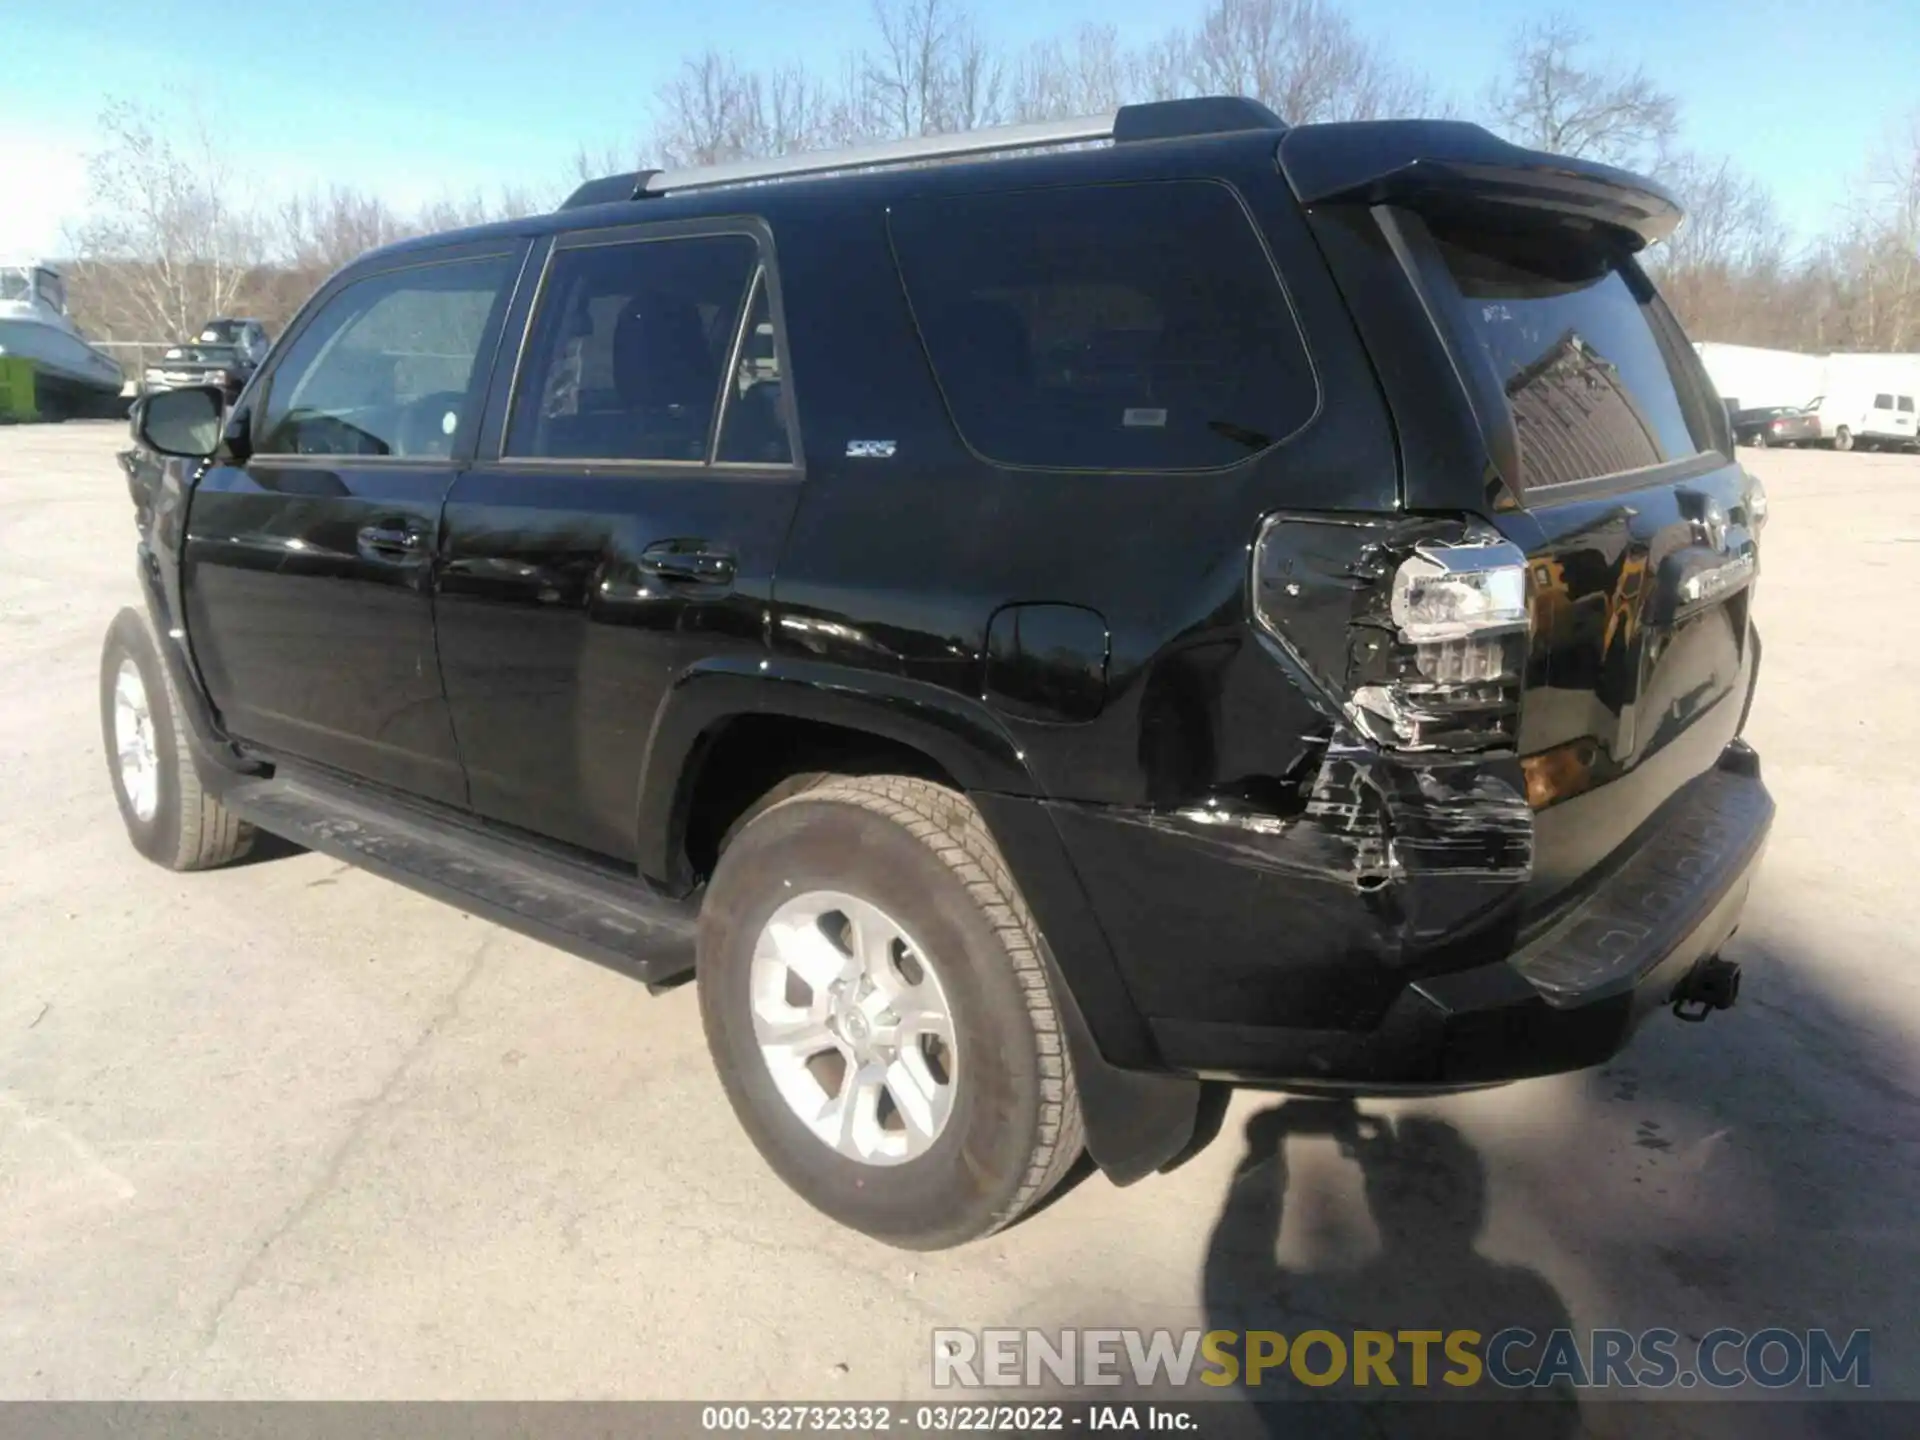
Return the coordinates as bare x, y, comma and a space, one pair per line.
249, 337
225, 367
1029, 637
1778, 425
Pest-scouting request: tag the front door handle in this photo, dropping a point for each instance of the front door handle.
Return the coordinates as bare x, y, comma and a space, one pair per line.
688, 560
393, 541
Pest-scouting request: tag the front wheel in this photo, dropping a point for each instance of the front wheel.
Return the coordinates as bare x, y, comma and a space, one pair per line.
876, 1000
169, 817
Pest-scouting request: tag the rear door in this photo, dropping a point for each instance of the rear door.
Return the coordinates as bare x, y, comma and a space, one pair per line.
1620, 487
308, 568
1882, 421
635, 482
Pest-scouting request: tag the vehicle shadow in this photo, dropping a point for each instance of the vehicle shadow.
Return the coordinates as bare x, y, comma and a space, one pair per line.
1750, 1173
1425, 1192
268, 847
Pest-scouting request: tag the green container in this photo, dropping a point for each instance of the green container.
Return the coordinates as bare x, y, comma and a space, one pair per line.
16, 389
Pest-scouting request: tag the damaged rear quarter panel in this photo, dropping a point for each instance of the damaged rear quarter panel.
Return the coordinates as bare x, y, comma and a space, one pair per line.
1386, 869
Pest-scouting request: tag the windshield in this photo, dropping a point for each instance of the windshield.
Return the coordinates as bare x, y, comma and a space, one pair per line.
205, 354
14, 285
221, 332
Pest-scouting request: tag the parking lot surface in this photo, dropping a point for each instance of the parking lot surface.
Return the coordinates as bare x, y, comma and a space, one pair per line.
290, 1130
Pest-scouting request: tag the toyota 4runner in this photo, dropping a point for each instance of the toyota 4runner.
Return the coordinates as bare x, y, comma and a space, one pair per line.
1173, 599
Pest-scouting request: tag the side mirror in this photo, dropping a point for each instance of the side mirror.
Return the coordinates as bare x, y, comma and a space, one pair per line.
185, 423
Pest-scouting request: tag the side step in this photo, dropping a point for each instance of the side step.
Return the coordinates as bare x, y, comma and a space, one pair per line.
609, 919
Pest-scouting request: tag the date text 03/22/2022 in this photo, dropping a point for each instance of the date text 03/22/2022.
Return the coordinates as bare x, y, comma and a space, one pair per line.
956, 1418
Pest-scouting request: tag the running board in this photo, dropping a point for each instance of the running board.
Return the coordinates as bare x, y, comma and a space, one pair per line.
612, 920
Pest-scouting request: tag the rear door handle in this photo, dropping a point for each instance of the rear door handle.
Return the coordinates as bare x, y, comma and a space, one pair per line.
688, 560
392, 541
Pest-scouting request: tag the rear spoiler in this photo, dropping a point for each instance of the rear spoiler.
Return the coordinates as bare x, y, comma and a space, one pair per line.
1445, 162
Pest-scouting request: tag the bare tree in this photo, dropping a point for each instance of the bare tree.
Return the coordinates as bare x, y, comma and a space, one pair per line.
592, 162
457, 212
165, 244
1725, 269
973, 84
1550, 99
711, 111
1859, 288
1164, 68
1301, 58
321, 230
1087, 73
929, 71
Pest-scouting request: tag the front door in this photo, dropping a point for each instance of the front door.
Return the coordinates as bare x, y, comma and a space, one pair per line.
309, 566
634, 486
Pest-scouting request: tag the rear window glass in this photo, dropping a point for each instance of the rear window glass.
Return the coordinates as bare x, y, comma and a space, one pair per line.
1105, 327
1587, 355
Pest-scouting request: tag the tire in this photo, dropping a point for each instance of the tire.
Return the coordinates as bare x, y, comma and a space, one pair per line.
1760, 441
918, 856
1843, 439
173, 822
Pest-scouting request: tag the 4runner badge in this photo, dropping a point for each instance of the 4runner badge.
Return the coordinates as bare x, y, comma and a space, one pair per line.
870, 449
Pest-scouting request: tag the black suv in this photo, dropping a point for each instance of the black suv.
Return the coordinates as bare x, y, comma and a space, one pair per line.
1031, 636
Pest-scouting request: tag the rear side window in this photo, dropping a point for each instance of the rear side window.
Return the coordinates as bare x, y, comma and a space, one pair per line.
1105, 327
1589, 358
630, 345
386, 368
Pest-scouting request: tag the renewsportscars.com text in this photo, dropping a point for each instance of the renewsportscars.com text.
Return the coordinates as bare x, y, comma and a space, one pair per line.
1514, 1358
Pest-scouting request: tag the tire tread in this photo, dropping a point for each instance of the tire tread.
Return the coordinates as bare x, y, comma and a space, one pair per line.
949, 825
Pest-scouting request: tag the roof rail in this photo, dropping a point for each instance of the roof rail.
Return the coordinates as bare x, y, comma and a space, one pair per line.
996, 139
1157, 120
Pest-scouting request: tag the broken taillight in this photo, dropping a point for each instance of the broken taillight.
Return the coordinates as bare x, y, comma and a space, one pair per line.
1415, 628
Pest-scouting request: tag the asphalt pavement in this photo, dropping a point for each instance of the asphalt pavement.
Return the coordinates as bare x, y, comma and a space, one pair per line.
288, 1130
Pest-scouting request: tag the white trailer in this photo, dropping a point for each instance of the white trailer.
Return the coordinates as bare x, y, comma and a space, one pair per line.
1750, 378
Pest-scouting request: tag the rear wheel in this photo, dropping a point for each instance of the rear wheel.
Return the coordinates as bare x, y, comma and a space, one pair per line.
874, 994
1843, 439
170, 818
1760, 439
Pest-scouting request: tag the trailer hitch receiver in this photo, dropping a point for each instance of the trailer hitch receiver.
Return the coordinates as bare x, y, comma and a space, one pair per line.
1713, 984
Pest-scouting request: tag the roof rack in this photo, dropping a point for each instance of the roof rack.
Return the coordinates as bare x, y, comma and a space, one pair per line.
1158, 120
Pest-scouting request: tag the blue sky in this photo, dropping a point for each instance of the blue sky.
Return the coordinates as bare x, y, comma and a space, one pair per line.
417, 98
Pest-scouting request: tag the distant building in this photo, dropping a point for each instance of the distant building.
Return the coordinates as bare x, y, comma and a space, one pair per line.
1750, 378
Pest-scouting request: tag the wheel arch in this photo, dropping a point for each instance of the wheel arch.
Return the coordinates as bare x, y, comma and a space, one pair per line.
1137, 1116
940, 735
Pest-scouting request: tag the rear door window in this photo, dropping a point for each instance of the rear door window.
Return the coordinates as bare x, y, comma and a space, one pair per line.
1105, 327
630, 346
1585, 351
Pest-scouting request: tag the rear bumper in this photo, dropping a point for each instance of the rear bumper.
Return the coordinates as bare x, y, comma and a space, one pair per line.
1562, 999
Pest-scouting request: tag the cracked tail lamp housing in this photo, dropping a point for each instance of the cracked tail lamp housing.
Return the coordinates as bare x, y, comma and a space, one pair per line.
1415, 628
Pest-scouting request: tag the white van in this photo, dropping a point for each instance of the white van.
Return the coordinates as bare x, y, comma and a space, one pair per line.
1873, 420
